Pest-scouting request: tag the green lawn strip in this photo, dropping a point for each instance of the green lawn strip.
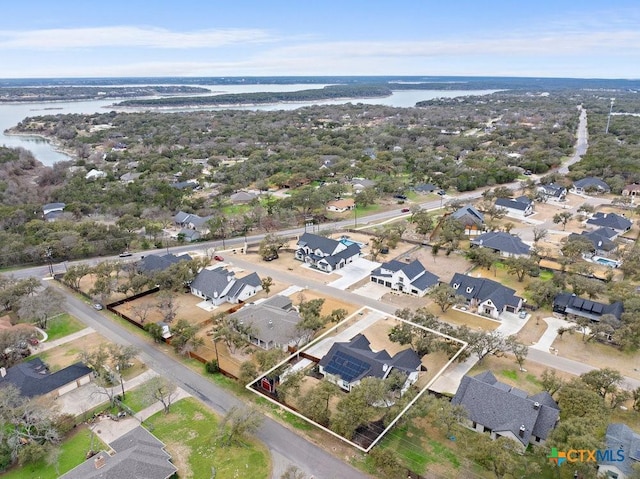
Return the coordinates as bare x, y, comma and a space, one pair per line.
443, 451
136, 399
235, 209
407, 443
190, 425
510, 373
72, 453
62, 326
285, 415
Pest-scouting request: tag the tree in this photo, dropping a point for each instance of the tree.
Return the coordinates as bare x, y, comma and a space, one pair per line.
539, 234
352, 412
270, 246
448, 415
550, 381
484, 343
236, 424
248, 372
160, 389
603, 381
41, 307
266, 283
167, 306
542, 293
292, 472
74, 275
519, 350
497, 456
315, 404
290, 385
521, 266
444, 296
387, 463
483, 257
563, 218
185, 337
121, 357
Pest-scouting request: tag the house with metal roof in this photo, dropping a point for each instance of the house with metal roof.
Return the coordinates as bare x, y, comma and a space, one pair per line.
502, 410
516, 207
472, 220
347, 363
272, 323
218, 286
33, 378
624, 459
574, 306
51, 211
485, 296
138, 454
505, 244
411, 278
590, 185
615, 221
326, 254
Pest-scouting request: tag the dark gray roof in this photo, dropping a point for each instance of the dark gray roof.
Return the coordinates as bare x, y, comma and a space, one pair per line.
553, 189
483, 289
53, 206
324, 244
571, 304
503, 408
354, 360
181, 217
154, 262
184, 185
189, 234
620, 436
610, 220
415, 272
599, 242
521, 203
269, 322
501, 241
469, 215
139, 455
425, 188
212, 282
425, 281
591, 182
33, 378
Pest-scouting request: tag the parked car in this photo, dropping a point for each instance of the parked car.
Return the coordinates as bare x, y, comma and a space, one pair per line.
405, 210
33, 341
400, 197
97, 306
124, 254
522, 315
218, 258
271, 257
442, 192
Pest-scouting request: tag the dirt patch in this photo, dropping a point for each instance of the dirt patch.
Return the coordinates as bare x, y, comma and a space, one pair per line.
330, 304
69, 353
180, 458
533, 329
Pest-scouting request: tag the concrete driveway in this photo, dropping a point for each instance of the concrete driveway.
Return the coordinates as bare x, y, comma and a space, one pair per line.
353, 272
372, 290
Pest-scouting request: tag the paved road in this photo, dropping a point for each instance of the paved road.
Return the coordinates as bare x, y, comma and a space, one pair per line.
286, 446
582, 142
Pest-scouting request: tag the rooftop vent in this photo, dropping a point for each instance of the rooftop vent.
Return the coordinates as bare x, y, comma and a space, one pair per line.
522, 431
536, 405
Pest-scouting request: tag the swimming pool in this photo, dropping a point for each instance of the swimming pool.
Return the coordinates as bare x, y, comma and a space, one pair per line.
606, 261
348, 242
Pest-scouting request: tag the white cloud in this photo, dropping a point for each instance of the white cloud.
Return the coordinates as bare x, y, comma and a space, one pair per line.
129, 36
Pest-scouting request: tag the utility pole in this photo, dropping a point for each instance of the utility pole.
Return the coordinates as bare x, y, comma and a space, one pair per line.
355, 215
49, 256
606, 131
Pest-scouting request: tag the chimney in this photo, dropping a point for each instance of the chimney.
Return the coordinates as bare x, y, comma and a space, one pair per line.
522, 431
99, 461
536, 405
3, 372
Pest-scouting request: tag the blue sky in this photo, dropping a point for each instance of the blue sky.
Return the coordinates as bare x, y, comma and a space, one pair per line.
70, 38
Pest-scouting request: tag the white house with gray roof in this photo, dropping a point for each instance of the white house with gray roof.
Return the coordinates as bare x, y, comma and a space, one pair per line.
502, 410
486, 296
326, 254
615, 221
505, 244
519, 207
411, 278
218, 286
271, 323
553, 192
590, 185
471, 219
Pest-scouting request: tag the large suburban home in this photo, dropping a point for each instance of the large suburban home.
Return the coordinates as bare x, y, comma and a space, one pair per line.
218, 286
516, 207
326, 254
620, 437
136, 454
601, 239
502, 410
573, 307
272, 323
51, 211
153, 263
193, 222
553, 192
340, 206
471, 219
348, 363
505, 244
425, 188
631, 190
610, 220
411, 278
486, 296
360, 184
33, 378
590, 185
242, 197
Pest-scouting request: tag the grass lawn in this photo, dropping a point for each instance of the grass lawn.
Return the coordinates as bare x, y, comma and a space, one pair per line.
72, 454
136, 400
190, 430
62, 326
235, 209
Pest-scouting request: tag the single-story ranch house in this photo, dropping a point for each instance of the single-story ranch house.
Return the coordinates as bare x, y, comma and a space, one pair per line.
486, 296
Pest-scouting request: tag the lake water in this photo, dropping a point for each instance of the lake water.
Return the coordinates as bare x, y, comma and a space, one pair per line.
12, 114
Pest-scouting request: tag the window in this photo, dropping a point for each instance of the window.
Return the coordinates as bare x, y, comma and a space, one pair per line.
469, 289
456, 285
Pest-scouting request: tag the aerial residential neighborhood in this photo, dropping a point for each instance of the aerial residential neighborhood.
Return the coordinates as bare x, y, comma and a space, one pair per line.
317, 277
